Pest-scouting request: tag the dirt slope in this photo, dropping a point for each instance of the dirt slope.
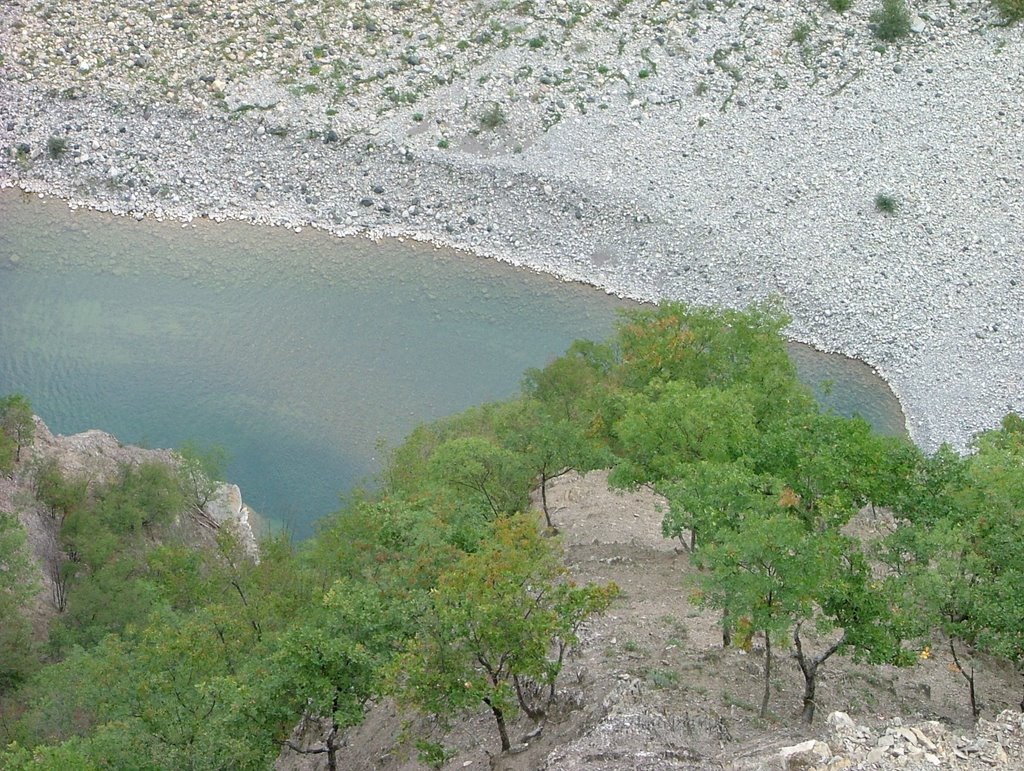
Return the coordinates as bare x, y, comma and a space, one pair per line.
652, 688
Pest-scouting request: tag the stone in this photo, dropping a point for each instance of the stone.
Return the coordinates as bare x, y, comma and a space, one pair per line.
840, 723
874, 756
806, 755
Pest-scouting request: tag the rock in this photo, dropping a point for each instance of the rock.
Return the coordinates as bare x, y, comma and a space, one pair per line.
917, 25
840, 724
874, 756
806, 755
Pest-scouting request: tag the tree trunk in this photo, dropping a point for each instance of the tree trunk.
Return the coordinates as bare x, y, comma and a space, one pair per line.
499, 718
544, 498
810, 685
809, 668
975, 710
767, 674
726, 631
532, 713
332, 751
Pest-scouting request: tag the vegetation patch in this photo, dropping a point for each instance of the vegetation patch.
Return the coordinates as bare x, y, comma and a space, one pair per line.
891, 20
886, 204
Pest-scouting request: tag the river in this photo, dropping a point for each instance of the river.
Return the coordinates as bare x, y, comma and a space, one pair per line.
302, 354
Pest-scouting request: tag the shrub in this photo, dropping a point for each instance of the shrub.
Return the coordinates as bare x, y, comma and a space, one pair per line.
886, 204
55, 146
492, 116
840, 6
801, 32
891, 20
1012, 10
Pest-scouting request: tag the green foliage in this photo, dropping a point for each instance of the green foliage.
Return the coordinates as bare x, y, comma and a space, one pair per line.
547, 444
495, 479
201, 470
17, 587
62, 496
55, 146
712, 347
891, 20
438, 589
886, 204
432, 754
960, 546
678, 424
776, 575
493, 618
708, 497
16, 424
493, 116
1011, 10
840, 6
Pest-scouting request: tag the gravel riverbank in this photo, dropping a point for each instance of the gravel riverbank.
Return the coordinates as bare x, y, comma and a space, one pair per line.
715, 152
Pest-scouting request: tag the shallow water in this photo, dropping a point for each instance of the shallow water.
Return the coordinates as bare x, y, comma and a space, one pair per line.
298, 353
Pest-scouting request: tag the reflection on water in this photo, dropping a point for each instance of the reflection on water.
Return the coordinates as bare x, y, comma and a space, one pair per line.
299, 353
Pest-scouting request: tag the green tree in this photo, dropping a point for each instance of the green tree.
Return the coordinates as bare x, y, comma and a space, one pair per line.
573, 385
16, 422
329, 663
494, 619
678, 424
17, 587
781, 577
549, 445
713, 347
706, 497
484, 472
61, 495
200, 470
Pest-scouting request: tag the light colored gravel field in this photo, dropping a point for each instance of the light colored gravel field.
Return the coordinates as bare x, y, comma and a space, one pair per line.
714, 152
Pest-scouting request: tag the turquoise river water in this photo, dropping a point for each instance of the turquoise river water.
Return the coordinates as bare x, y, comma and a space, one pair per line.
299, 353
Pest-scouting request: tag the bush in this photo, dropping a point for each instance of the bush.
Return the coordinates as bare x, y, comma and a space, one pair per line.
891, 20
801, 32
886, 204
55, 146
1012, 10
840, 6
492, 117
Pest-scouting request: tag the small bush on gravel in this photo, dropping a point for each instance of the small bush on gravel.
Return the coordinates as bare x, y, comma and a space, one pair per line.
801, 32
55, 146
840, 6
1012, 10
886, 204
492, 117
891, 20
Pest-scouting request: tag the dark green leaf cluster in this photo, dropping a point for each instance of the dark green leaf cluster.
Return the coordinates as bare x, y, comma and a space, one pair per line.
17, 429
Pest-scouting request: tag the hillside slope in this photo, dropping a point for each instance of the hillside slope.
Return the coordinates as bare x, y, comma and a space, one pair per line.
652, 688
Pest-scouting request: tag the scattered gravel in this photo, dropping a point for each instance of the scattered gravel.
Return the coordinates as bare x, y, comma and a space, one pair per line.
715, 152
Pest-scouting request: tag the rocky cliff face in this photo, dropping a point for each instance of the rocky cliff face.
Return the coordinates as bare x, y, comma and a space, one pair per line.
97, 456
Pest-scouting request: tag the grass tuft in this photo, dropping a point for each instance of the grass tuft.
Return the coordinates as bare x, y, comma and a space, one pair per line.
886, 204
891, 20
